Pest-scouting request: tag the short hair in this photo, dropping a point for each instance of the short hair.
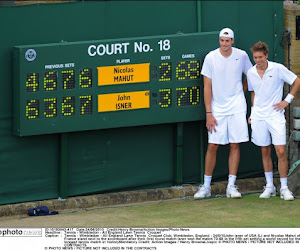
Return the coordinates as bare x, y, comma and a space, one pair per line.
260, 46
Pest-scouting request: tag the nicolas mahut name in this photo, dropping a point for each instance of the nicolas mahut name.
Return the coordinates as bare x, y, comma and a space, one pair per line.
123, 78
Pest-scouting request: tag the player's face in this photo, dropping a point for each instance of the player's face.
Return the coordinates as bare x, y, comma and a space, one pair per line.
260, 59
226, 43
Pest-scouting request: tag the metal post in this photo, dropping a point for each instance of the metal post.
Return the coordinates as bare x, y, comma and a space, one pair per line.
199, 23
202, 129
178, 176
202, 124
63, 167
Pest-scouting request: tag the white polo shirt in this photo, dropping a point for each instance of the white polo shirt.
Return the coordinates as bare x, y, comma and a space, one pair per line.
269, 89
226, 74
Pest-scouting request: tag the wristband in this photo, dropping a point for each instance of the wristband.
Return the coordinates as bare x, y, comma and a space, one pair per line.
208, 112
289, 98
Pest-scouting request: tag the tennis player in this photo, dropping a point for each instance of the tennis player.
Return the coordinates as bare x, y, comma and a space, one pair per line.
265, 81
225, 105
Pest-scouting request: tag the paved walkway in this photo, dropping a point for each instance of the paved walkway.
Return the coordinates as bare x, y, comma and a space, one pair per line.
99, 200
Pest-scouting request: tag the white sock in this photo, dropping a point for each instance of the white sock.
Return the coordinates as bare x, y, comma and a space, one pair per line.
207, 181
269, 178
283, 182
231, 180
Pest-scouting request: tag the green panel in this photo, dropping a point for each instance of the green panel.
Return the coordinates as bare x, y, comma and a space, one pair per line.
144, 18
58, 86
120, 159
28, 167
251, 21
192, 145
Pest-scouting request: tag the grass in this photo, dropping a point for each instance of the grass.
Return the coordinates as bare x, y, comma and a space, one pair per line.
250, 211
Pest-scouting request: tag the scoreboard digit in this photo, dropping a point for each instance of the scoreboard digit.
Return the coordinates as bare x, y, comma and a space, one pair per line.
50, 107
32, 82
85, 78
165, 71
68, 79
92, 85
50, 81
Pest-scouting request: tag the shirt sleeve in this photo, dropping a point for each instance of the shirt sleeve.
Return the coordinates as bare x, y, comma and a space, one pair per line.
249, 80
247, 64
207, 67
287, 75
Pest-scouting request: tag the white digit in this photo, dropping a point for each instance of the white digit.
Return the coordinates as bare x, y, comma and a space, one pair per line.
164, 45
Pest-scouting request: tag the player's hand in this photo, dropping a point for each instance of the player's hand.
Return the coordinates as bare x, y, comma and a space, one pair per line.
249, 120
211, 122
280, 106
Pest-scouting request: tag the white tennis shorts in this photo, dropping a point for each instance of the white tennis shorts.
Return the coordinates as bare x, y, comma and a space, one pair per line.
271, 130
230, 129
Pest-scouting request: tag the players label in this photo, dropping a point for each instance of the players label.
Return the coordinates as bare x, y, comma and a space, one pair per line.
124, 101
121, 74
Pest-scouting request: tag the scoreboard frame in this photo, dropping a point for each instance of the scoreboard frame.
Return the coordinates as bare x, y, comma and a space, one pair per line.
78, 86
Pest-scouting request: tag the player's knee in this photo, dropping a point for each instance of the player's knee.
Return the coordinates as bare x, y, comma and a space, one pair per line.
234, 146
212, 148
266, 151
281, 152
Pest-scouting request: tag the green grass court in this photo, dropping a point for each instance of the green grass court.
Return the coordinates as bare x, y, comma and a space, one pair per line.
250, 211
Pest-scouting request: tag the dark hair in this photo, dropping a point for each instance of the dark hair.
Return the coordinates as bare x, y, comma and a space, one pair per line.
260, 46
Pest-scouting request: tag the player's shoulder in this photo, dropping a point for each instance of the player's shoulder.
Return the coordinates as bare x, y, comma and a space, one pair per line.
210, 55
276, 64
252, 70
212, 52
240, 51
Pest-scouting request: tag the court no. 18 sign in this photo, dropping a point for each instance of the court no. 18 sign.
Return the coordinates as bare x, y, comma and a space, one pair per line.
65, 87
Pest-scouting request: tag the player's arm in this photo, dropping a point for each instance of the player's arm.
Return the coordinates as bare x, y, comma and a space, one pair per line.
252, 98
247, 65
245, 85
211, 122
289, 98
252, 103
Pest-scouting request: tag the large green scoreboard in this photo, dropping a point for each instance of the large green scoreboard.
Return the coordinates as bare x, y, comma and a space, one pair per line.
76, 86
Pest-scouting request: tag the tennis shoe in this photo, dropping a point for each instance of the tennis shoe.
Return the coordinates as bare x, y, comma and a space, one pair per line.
286, 194
202, 192
232, 192
268, 192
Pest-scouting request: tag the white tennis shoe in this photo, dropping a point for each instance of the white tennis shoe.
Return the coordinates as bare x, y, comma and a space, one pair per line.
232, 192
202, 192
268, 192
286, 194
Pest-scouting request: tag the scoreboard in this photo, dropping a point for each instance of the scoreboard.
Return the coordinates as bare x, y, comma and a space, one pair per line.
76, 86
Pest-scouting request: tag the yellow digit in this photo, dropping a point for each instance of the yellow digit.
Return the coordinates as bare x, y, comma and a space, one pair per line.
68, 106
50, 107
165, 72
32, 82
165, 96
32, 109
50, 81
85, 103
182, 92
192, 95
68, 79
85, 78
181, 72
194, 69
